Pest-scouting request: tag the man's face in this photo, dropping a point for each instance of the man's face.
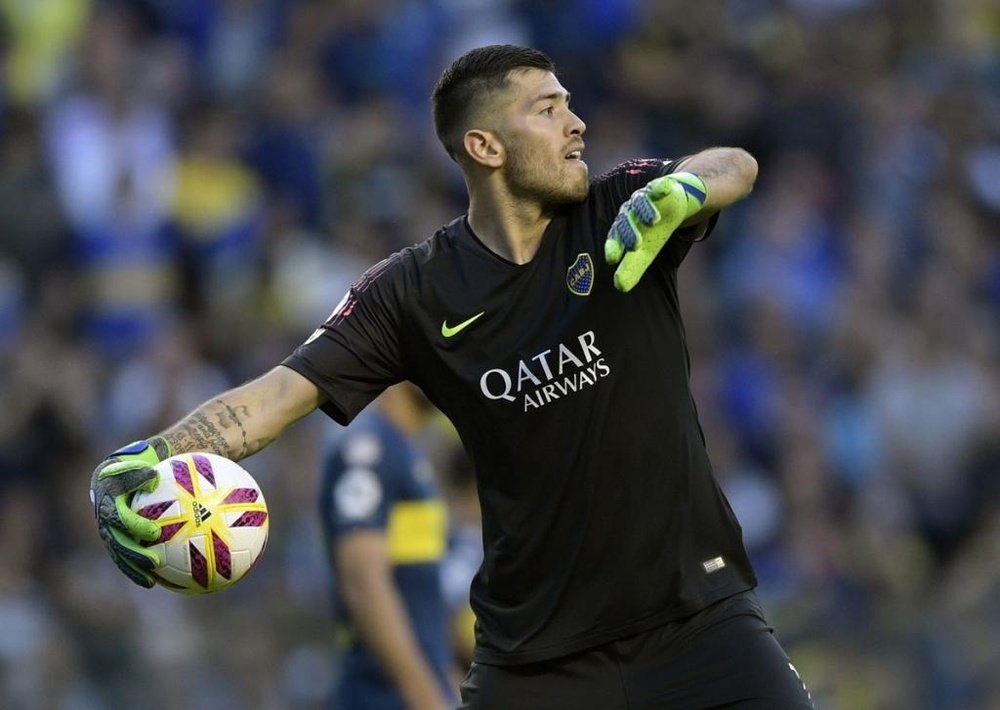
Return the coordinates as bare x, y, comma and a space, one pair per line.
543, 139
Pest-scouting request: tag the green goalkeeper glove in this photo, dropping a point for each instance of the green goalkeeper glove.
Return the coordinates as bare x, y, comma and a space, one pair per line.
112, 485
645, 222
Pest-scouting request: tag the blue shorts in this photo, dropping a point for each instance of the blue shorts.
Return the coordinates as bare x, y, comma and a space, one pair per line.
366, 697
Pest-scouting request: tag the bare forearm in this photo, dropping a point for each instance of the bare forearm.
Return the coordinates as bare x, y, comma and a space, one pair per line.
218, 426
728, 173
244, 420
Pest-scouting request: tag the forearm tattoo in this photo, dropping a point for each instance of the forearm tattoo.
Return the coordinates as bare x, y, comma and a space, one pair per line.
197, 433
207, 429
229, 417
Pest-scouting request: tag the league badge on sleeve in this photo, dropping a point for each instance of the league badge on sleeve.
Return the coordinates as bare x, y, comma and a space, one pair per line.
580, 275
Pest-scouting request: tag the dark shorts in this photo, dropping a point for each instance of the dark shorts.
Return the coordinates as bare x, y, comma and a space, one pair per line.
723, 657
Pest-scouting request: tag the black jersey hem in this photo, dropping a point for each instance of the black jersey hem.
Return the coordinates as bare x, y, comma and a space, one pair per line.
547, 653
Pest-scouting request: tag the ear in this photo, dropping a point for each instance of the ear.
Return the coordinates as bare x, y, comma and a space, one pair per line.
484, 148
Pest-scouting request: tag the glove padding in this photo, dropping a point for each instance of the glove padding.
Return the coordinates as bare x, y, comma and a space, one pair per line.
112, 485
647, 220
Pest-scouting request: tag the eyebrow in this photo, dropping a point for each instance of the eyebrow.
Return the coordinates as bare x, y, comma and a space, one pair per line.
554, 96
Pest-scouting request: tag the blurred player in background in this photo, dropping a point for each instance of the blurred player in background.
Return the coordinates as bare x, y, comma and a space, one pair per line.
465, 548
386, 529
545, 324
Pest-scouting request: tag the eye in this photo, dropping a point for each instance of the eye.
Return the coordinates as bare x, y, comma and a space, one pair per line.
549, 111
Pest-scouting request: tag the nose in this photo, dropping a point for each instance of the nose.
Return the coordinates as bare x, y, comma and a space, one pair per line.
576, 125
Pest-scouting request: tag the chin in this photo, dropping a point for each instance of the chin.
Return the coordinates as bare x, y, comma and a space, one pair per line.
564, 187
577, 187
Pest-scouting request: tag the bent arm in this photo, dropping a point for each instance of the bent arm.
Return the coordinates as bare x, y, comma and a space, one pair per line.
245, 419
728, 173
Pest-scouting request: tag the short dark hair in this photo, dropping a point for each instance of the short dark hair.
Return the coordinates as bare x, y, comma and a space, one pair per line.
472, 76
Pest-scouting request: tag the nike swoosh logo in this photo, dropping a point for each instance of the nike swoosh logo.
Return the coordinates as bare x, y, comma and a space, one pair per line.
448, 331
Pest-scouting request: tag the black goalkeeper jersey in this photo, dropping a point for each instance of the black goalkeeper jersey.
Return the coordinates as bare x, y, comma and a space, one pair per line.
601, 517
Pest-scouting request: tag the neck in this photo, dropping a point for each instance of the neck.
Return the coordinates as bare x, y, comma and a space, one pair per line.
511, 228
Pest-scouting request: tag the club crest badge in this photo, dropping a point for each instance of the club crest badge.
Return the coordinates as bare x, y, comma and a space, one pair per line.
580, 275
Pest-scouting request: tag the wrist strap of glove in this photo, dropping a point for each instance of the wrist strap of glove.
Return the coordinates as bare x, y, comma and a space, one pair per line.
151, 451
694, 189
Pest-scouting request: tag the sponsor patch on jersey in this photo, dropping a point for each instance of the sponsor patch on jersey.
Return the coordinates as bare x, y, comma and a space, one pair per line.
553, 373
580, 275
713, 565
362, 450
450, 330
358, 494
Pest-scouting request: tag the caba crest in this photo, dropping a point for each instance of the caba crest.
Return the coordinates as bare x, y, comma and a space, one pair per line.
580, 275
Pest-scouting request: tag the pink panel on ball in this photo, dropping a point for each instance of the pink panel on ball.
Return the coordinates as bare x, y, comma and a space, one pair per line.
167, 532
155, 510
199, 566
250, 519
241, 495
223, 561
182, 475
204, 467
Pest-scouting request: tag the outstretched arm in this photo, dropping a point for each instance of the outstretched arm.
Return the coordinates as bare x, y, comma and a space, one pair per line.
244, 420
728, 174
235, 424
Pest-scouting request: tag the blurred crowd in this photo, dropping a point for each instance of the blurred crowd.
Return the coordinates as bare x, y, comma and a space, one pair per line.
187, 187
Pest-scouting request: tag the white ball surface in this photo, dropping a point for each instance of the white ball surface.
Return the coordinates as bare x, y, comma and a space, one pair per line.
213, 522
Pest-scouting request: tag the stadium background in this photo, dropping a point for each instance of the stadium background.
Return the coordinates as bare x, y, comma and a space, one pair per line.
187, 187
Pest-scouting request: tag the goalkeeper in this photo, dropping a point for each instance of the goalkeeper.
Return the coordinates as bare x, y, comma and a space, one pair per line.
545, 324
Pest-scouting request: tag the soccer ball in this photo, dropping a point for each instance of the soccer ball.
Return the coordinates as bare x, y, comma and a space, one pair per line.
213, 522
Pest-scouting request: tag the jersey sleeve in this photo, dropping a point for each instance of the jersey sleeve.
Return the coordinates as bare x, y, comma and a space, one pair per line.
612, 189
358, 486
357, 352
